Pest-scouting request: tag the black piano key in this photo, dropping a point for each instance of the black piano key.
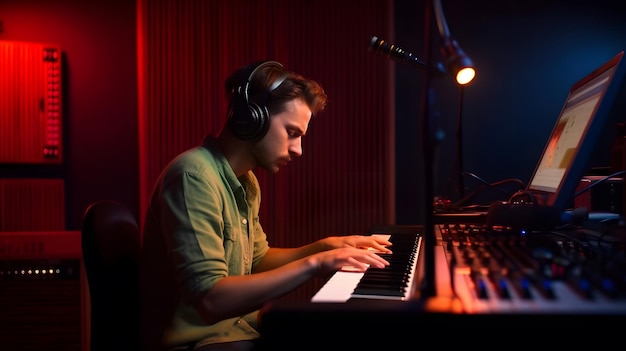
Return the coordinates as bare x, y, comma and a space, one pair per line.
378, 291
393, 279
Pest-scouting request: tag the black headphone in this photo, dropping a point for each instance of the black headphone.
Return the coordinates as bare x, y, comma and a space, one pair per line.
249, 120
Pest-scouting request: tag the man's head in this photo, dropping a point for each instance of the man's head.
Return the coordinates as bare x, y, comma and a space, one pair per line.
270, 109
261, 90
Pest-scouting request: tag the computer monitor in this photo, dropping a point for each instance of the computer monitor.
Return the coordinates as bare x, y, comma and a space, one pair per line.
590, 110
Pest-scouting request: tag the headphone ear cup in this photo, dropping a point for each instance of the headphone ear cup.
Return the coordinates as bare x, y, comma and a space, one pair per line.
248, 120
259, 121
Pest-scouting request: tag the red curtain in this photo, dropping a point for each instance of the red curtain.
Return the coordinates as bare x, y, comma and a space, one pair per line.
344, 183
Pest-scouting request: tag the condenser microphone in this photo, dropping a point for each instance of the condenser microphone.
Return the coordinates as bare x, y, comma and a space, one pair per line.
398, 54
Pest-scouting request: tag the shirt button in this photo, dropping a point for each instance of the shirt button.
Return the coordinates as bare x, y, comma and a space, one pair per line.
244, 221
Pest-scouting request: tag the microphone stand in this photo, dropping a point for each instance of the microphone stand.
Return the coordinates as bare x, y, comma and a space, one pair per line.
455, 59
428, 288
459, 146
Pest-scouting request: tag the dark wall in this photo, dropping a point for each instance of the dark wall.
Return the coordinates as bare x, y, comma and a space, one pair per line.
527, 54
98, 40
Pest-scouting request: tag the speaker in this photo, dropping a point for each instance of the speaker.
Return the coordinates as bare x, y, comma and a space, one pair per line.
249, 116
44, 296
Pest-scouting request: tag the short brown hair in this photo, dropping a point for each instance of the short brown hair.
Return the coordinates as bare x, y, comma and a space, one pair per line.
293, 86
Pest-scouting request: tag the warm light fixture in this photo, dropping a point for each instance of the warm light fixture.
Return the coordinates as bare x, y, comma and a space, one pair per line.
455, 59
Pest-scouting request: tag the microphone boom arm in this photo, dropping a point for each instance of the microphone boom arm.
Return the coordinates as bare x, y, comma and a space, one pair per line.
396, 53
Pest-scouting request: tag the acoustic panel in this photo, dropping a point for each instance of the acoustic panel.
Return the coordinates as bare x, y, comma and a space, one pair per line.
31, 130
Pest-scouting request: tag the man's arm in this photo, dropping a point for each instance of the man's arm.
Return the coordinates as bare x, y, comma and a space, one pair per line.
233, 296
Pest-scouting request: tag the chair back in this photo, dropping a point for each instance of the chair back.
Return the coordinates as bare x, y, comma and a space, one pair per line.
111, 247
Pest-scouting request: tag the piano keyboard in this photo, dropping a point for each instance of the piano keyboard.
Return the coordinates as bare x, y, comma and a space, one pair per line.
394, 282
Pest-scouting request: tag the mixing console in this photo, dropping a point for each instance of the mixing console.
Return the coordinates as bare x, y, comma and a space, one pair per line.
500, 270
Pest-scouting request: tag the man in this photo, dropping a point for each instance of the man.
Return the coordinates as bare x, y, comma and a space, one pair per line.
207, 267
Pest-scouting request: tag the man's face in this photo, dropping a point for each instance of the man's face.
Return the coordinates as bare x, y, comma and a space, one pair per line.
283, 140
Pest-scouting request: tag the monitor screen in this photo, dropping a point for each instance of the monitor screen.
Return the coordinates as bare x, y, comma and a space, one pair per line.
586, 115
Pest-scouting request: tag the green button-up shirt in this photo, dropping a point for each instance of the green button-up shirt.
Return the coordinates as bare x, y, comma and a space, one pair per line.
202, 224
